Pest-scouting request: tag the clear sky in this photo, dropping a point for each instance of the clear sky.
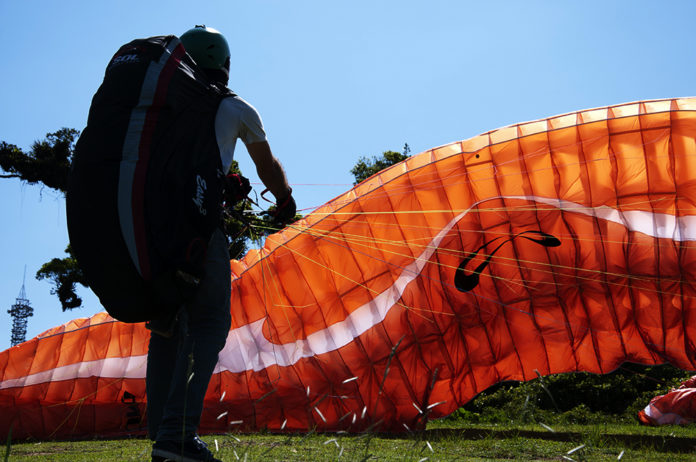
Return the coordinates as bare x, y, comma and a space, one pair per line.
333, 81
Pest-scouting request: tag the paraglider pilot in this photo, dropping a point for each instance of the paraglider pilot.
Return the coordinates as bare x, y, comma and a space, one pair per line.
144, 204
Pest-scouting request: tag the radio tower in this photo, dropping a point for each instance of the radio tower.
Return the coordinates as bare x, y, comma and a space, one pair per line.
20, 311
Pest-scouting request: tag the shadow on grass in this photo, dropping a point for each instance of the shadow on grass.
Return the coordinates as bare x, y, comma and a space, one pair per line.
659, 443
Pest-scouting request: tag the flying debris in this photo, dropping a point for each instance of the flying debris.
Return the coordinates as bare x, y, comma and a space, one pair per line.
563, 244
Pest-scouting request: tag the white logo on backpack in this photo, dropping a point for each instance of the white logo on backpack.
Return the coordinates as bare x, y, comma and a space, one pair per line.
201, 187
124, 59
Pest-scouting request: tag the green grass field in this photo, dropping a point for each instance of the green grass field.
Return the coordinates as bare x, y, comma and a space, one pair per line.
441, 441
568, 417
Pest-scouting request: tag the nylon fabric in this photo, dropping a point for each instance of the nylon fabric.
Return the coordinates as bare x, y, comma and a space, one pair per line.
558, 245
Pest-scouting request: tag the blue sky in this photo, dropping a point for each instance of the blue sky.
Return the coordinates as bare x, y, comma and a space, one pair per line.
333, 81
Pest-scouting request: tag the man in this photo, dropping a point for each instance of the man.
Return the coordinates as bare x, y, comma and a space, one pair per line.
133, 173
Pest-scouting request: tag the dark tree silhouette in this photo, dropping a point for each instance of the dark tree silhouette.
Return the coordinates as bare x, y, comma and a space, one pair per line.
365, 167
47, 163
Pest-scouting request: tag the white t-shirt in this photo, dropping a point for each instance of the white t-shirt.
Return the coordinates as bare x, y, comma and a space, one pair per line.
236, 118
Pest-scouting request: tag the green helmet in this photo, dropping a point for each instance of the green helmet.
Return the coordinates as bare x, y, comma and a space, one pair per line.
208, 48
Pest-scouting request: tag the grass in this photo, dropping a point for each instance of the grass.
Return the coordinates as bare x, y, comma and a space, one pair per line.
442, 441
540, 420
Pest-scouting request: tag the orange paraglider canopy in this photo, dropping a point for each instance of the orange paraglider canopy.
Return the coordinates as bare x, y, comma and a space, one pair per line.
563, 244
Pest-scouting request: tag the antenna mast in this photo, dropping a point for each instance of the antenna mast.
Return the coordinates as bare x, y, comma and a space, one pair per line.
20, 311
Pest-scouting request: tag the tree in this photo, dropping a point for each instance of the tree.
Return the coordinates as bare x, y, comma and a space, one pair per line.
48, 163
64, 273
365, 167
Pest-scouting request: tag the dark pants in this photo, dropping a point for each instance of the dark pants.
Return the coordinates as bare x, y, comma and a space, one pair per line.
179, 368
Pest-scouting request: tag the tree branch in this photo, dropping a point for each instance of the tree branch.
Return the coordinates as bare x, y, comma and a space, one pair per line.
48, 162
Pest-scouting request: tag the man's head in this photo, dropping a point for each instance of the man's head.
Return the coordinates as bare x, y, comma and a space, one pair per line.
209, 49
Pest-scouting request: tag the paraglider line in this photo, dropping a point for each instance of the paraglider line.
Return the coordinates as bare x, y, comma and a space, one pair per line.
360, 240
573, 208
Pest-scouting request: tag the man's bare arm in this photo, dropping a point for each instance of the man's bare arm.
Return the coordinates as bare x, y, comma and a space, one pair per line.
269, 169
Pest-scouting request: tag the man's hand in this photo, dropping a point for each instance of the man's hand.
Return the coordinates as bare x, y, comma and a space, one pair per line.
273, 177
237, 187
285, 210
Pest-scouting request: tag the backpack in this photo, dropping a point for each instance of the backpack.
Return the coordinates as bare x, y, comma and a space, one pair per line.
150, 160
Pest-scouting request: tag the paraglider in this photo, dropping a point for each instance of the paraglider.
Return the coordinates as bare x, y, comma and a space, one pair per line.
563, 244
676, 407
